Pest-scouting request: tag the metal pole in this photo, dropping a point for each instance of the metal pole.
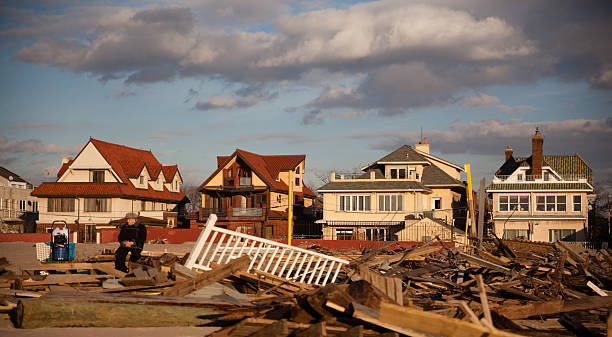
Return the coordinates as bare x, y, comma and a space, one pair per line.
470, 205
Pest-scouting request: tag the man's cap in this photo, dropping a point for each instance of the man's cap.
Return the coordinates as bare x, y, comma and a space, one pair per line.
131, 215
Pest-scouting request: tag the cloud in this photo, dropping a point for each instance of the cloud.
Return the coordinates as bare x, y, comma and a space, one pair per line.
589, 138
515, 109
38, 161
291, 138
228, 102
4, 160
41, 126
480, 100
408, 54
34, 146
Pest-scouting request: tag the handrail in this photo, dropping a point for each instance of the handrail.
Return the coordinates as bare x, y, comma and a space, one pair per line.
220, 245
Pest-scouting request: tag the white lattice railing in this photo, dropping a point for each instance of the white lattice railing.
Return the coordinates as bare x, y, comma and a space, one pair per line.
219, 245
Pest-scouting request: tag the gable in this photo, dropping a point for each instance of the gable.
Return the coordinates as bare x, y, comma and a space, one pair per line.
89, 158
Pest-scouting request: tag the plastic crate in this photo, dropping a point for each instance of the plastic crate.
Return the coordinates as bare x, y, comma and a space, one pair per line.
43, 251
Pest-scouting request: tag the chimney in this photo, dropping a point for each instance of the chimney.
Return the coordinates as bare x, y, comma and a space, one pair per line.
508, 152
537, 142
66, 160
422, 147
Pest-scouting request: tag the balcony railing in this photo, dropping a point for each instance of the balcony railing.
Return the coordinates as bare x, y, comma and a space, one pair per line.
245, 181
543, 178
11, 214
220, 212
244, 212
349, 176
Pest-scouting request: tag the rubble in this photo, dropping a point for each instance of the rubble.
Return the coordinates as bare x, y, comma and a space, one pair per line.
508, 288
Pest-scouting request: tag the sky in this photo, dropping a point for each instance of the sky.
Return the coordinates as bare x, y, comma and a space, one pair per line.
343, 82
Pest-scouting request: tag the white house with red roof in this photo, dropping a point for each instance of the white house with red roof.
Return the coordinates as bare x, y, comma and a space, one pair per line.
250, 192
104, 182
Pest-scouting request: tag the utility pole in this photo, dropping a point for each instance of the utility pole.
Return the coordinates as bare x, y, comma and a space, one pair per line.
481, 211
290, 215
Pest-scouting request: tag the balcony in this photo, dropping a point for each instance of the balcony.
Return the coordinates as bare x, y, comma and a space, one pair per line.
220, 212
540, 178
247, 212
245, 181
11, 214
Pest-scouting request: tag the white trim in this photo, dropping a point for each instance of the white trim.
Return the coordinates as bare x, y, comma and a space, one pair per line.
535, 217
543, 191
440, 159
371, 190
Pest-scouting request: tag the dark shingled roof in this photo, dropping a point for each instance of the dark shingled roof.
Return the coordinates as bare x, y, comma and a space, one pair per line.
404, 154
565, 165
15, 177
433, 175
539, 186
372, 186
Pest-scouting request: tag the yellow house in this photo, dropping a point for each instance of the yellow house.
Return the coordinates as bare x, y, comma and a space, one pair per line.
402, 187
541, 197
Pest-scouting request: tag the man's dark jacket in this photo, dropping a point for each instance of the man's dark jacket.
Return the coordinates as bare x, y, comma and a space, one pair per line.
136, 233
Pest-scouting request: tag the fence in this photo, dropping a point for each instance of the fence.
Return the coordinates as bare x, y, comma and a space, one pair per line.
219, 245
590, 245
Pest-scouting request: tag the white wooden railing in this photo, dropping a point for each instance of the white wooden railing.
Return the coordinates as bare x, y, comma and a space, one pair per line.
219, 245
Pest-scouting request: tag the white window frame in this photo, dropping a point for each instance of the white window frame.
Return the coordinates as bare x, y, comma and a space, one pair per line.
551, 206
509, 203
517, 232
433, 203
579, 203
388, 201
561, 233
354, 203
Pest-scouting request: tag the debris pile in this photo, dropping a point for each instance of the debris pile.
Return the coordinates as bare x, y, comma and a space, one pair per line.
505, 288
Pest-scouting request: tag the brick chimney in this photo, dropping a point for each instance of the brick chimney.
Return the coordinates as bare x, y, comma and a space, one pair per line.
508, 152
537, 143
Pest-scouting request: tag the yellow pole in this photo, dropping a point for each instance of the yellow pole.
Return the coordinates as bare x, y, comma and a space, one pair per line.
290, 215
469, 193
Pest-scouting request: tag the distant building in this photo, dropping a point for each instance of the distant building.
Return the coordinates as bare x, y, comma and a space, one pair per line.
541, 197
249, 193
104, 182
18, 208
390, 200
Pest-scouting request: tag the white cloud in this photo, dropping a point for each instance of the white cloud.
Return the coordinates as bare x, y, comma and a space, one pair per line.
515, 109
34, 146
480, 100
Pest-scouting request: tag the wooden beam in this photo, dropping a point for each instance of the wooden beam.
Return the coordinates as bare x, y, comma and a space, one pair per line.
483, 300
315, 330
183, 271
554, 307
278, 328
108, 269
208, 277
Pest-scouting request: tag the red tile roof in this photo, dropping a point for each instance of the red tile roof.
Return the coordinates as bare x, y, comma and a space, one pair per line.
266, 167
127, 163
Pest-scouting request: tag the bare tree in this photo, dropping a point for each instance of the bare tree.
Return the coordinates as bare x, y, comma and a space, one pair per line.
194, 196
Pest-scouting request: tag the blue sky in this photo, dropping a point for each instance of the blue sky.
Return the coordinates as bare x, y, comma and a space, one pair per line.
342, 82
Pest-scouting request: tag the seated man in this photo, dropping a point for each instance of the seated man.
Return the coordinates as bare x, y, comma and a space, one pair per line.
131, 239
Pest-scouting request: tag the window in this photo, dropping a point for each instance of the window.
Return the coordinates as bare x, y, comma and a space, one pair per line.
412, 172
577, 203
143, 205
376, 234
546, 176
297, 181
297, 170
390, 203
516, 234
436, 203
97, 205
398, 173
260, 198
514, 203
97, 176
561, 235
354, 203
229, 173
550, 203
35, 206
278, 198
22, 205
519, 177
60, 205
344, 234
141, 180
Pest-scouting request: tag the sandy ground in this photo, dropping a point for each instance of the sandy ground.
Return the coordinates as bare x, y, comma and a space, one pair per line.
22, 255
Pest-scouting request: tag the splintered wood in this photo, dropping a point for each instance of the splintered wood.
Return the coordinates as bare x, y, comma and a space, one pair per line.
507, 288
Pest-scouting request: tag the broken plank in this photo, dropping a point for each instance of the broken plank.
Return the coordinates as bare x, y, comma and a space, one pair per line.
315, 330
187, 286
64, 265
554, 307
108, 269
183, 271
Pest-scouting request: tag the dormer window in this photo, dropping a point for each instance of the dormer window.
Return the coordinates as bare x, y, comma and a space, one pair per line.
297, 170
519, 177
97, 176
546, 176
142, 180
412, 172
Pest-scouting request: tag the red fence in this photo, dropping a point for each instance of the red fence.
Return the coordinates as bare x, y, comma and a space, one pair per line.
25, 237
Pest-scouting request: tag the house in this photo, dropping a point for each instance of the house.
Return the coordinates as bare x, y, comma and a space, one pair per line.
541, 197
249, 192
18, 208
395, 192
103, 183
